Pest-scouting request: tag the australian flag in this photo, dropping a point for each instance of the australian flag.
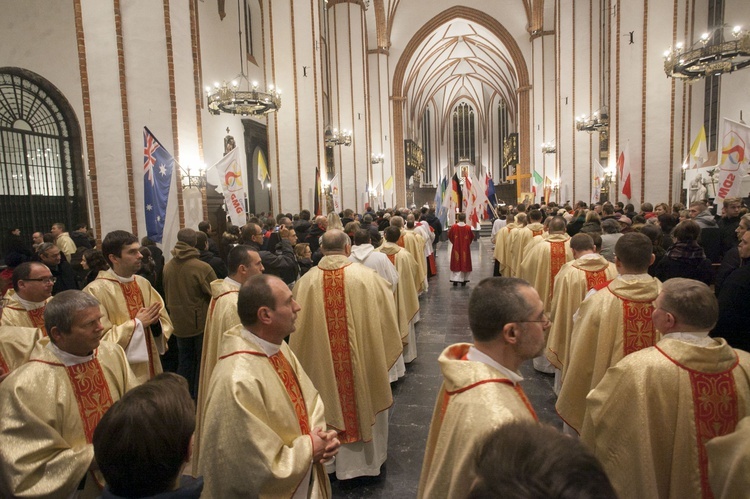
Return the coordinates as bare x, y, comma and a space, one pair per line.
157, 179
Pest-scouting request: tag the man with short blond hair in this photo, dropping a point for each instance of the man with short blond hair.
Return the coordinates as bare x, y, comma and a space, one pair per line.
63, 240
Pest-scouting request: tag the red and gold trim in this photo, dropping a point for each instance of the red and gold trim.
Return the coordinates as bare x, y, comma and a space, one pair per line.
595, 278
293, 389
3, 365
557, 259
214, 301
92, 394
637, 326
134, 301
338, 336
37, 318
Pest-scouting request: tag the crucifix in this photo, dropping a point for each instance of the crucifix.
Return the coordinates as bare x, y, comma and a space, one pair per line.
518, 177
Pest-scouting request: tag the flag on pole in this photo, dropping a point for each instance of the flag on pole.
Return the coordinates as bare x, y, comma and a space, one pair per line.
490, 192
735, 153
538, 180
155, 184
388, 183
262, 169
379, 194
623, 169
229, 169
336, 193
547, 189
443, 211
318, 194
699, 148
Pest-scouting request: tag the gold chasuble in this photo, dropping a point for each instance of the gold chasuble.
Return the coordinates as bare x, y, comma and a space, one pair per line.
502, 248
614, 322
221, 317
347, 339
414, 244
49, 413
650, 418
542, 262
16, 345
474, 399
524, 238
259, 413
729, 462
120, 302
407, 298
574, 280
15, 314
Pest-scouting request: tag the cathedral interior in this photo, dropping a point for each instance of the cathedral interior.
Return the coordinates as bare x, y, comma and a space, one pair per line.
373, 100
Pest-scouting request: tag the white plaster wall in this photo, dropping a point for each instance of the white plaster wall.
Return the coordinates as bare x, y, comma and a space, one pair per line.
567, 132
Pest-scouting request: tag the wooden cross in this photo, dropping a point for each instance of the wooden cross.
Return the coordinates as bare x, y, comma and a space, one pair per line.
518, 177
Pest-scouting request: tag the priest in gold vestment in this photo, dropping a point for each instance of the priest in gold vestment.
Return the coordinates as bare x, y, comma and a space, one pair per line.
513, 263
729, 462
524, 239
649, 419
407, 297
242, 263
32, 289
575, 279
264, 432
481, 389
347, 340
612, 323
50, 406
502, 246
414, 244
134, 313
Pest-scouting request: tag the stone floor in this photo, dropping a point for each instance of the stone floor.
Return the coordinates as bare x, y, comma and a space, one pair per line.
444, 322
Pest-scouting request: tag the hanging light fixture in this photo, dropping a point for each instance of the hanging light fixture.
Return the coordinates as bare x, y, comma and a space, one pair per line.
336, 137
549, 148
710, 55
597, 122
240, 96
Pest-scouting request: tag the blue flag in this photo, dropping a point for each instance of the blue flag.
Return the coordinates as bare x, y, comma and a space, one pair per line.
157, 179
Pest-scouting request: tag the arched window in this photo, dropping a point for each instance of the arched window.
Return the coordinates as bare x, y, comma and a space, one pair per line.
463, 133
41, 170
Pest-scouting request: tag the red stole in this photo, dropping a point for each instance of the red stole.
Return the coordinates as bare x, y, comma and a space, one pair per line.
37, 318
595, 278
92, 394
334, 301
392, 258
4, 365
637, 326
291, 383
557, 258
134, 300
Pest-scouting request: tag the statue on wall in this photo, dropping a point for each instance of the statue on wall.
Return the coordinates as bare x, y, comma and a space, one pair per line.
698, 191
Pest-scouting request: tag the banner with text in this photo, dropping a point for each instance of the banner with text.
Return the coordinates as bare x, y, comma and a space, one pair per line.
229, 169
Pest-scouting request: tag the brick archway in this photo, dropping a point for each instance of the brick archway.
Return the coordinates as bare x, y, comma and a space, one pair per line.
524, 105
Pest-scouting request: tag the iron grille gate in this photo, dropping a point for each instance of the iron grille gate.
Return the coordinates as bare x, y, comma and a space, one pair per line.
39, 182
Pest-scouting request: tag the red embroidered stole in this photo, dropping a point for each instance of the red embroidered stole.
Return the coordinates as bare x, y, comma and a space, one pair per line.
134, 300
338, 336
557, 259
400, 241
92, 394
293, 389
535, 233
595, 278
392, 258
716, 414
637, 326
37, 318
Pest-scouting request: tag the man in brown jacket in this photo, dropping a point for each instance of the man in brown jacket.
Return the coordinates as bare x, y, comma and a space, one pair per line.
187, 289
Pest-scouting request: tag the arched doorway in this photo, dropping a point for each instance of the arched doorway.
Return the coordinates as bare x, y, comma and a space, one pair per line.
41, 170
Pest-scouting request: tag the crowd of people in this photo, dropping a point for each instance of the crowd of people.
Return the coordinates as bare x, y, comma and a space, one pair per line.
289, 331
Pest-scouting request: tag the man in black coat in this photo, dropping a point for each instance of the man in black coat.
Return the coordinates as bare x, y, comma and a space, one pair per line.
65, 276
734, 314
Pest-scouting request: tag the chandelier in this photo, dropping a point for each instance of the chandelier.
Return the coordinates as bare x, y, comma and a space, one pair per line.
240, 96
230, 98
334, 137
710, 55
377, 158
597, 122
549, 148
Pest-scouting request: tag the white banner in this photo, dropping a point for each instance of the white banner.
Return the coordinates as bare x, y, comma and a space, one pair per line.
735, 153
336, 194
229, 169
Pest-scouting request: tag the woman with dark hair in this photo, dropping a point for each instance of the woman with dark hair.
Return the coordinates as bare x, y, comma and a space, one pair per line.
667, 222
148, 267
685, 258
93, 261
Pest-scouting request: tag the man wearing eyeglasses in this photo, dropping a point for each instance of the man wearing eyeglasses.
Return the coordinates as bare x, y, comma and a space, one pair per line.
649, 419
481, 389
612, 323
32, 289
